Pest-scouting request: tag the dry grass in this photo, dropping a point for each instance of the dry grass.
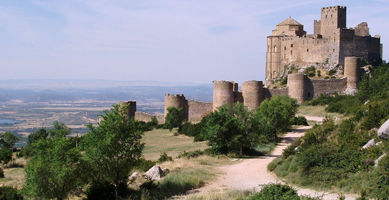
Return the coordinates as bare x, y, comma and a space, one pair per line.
318, 111
13, 177
160, 140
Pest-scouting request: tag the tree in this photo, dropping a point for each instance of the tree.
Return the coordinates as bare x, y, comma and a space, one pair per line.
278, 111
56, 169
39, 134
8, 140
174, 118
5, 155
113, 148
229, 129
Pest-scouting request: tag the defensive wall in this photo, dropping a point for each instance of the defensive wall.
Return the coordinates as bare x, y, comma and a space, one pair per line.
146, 117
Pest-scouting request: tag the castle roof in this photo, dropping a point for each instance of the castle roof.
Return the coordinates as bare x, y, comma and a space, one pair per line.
289, 21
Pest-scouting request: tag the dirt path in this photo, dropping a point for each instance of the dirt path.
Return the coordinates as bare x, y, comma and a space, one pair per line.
249, 174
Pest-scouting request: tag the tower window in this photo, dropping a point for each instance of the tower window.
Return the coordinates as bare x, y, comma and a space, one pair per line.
307, 50
326, 16
275, 48
284, 47
333, 50
291, 45
291, 52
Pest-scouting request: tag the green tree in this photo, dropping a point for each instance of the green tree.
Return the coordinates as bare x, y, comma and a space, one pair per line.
174, 118
39, 134
28, 150
278, 111
8, 140
229, 129
5, 155
113, 148
56, 169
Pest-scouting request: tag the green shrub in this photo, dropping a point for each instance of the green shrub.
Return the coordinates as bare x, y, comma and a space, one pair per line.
332, 72
164, 158
310, 71
191, 154
105, 190
145, 165
299, 120
1, 173
276, 192
10, 193
284, 81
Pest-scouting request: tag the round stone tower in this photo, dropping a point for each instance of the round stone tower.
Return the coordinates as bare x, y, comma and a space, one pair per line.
351, 68
252, 92
130, 109
296, 87
177, 101
222, 93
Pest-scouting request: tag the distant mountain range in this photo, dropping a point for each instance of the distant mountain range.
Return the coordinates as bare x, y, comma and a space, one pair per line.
37, 84
72, 90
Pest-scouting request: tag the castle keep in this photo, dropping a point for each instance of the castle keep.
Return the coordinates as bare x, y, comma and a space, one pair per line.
332, 43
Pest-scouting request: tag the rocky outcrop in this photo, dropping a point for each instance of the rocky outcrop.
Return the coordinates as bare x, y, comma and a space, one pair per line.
369, 144
154, 173
383, 131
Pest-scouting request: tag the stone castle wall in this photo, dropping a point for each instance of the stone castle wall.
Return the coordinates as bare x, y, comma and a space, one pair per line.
146, 117
197, 110
268, 93
328, 86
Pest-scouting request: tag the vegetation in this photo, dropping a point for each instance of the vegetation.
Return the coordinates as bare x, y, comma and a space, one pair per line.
331, 155
236, 130
174, 118
310, 71
113, 148
55, 170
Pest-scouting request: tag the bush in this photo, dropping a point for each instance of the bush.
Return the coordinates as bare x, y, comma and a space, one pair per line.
191, 154
105, 190
164, 158
277, 191
1, 173
310, 71
299, 120
145, 165
9, 193
332, 72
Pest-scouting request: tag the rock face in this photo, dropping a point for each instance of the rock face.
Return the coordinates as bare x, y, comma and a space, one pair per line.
154, 173
383, 131
369, 144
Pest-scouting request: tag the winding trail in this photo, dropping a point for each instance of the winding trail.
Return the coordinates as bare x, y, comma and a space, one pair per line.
249, 174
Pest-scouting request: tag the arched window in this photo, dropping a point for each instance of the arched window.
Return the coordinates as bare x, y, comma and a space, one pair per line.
275, 48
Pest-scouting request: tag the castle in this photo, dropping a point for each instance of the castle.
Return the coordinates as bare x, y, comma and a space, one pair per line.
331, 43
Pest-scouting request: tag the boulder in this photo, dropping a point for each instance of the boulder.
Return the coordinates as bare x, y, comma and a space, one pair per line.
378, 160
154, 173
133, 176
378, 143
383, 131
369, 144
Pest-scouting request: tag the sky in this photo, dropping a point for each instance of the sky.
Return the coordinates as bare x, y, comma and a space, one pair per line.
194, 41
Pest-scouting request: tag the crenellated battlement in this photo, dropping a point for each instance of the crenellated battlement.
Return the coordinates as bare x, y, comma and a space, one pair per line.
174, 95
332, 8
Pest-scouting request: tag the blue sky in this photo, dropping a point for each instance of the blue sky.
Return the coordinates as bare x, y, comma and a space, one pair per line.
186, 41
